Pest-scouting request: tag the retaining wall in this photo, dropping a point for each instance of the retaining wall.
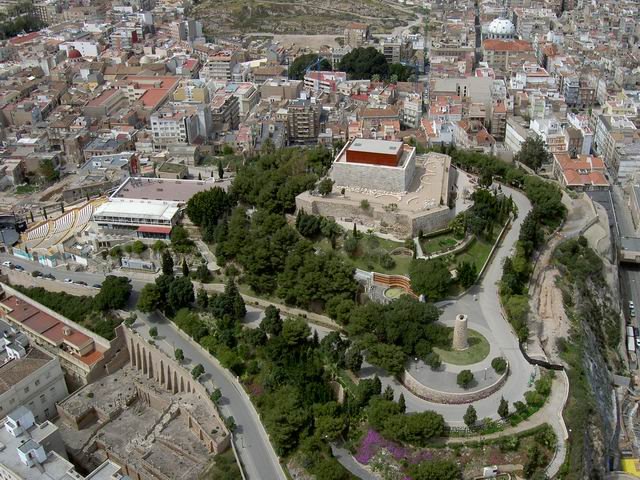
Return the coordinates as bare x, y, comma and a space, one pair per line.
453, 398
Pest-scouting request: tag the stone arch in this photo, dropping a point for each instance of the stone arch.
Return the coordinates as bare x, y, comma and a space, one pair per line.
144, 361
175, 382
139, 359
161, 379
133, 353
181, 383
150, 364
169, 383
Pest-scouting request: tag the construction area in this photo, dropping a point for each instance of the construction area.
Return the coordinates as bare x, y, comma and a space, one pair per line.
152, 432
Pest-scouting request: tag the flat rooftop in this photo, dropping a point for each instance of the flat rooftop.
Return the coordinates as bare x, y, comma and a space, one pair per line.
137, 209
179, 191
14, 371
430, 182
375, 146
53, 468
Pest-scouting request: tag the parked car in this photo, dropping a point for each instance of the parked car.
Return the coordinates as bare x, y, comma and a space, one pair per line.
49, 276
96, 285
81, 283
7, 264
36, 273
68, 280
631, 305
19, 268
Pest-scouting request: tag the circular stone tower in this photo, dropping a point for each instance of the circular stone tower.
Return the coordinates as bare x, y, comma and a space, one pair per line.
460, 335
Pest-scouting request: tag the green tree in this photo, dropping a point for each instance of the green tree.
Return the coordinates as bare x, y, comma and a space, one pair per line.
430, 278
138, 247
180, 294
150, 298
329, 421
364, 63
353, 359
298, 67
467, 273
533, 153
185, 268
167, 263
389, 357
48, 171
202, 299
503, 408
388, 393
499, 364
179, 354
197, 371
286, 418
158, 246
230, 303
402, 404
433, 360
271, 323
470, 417
220, 170
207, 207
114, 293
435, 470
295, 331
325, 186
216, 395
350, 245
464, 379
153, 332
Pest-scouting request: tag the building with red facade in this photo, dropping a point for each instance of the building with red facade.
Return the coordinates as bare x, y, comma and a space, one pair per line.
378, 165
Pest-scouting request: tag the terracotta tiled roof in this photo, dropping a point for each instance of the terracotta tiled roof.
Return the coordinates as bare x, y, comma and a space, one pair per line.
507, 45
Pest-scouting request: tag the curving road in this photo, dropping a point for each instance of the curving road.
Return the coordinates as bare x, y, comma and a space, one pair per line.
484, 315
252, 443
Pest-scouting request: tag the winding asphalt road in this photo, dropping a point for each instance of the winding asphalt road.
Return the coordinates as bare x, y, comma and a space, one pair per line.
485, 315
252, 443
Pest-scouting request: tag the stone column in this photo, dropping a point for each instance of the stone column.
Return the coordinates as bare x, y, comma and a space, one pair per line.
460, 334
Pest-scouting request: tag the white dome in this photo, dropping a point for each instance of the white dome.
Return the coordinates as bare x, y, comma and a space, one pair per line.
501, 26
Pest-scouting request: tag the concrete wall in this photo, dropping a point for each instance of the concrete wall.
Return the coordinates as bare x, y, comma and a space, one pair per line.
436, 396
404, 223
25, 279
435, 219
175, 378
374, 177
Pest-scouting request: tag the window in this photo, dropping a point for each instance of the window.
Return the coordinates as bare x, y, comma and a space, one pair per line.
26, 389
37, 382
43, 398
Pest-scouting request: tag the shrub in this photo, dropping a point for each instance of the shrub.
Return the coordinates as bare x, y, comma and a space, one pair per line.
499, 364
534, 399
433, 360
153, 331
465, 377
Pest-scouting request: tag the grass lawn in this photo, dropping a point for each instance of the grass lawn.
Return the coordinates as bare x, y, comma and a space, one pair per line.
364, 261
477, 253
394, 292
225, 466
25, 189
477, 351
438, 244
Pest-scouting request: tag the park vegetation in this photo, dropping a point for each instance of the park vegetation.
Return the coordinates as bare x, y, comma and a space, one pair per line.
94, 313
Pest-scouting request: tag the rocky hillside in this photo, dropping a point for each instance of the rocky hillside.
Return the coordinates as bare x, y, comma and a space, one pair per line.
590, 354
297, 16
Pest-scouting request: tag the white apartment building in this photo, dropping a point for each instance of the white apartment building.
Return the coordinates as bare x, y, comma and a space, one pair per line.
174, 124
33, 451
550, 130
29, 377
219, 67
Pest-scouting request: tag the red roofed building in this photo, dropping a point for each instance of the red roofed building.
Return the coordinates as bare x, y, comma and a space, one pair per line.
84, 355
586, 172
24, 39
499, 54
472, 135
